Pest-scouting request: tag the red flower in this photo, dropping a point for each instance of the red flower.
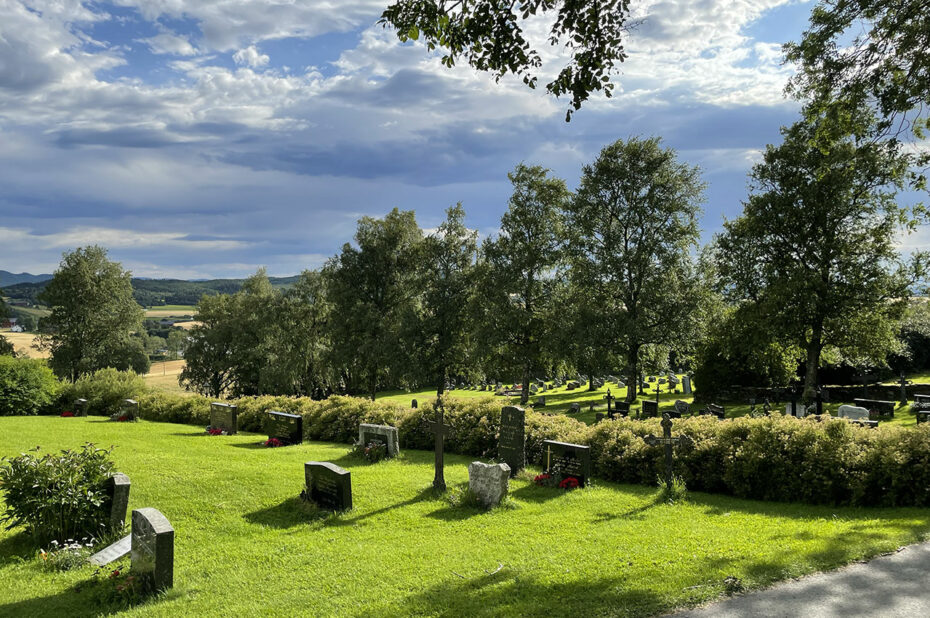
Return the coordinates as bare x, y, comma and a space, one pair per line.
541, 479
569, 482
67, 414
215, 431
273, 442
123, 418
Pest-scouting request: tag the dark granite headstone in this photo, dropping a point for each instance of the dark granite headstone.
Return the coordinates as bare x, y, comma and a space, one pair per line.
288, 428
650, 408
152, 549
562, 460
129, 409
224, 416
80, 407
117, 490
328, 485
512, 438
413, 404
622, 407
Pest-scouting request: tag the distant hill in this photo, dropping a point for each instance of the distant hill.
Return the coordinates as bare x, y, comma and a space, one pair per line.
155, 292
8, 278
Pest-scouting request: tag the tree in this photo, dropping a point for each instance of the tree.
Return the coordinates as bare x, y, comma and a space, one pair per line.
814, 250
634, 226
93, 316
866, 53
489, 35
209, 368
373, 294
448, 285
176, 343
6, 348
518, 273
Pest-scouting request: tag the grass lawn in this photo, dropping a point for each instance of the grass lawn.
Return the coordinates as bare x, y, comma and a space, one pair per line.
245, 544
169, 311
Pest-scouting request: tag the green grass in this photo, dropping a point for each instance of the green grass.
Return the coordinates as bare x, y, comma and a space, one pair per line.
245, 544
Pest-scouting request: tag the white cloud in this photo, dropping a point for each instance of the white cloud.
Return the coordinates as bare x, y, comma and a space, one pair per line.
170, 43
251, 57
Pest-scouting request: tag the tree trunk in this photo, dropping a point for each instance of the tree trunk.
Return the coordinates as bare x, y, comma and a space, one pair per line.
525, 390
590, 380
633, 362
814, 347
373, 387
442, 383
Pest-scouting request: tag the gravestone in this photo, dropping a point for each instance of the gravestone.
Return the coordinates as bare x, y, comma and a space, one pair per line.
650, 408
328, 485
853, 412
622, 407
288, 428
112, 552
682, 407
152, 549
380, 434
511, 443
117, 500
574, 408
673, 380
439, 429
224, 416
715, 410
80, 407
540, 402
489, 483
610, 399
562, 460
413, 404
686, 385
129, 409
668, 442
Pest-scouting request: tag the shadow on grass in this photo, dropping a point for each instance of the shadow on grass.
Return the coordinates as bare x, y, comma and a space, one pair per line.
193, 434
535, 493
508, 593
86, 599
424, 494
254, 445
18, 547
292, 512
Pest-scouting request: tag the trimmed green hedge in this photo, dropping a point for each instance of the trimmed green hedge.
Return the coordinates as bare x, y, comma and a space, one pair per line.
813, 460
27, 386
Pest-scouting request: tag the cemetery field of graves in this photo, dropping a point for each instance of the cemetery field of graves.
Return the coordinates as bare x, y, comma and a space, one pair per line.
245, 542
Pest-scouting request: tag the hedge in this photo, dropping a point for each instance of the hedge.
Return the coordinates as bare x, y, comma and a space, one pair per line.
27, 386
819, 460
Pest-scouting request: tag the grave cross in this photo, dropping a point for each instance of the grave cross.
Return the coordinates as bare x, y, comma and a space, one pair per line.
903, 383
440, 430
610, 399
669, 442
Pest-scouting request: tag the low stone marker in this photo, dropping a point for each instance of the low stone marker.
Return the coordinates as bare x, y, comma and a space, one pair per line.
152, 549
574, 408
488, 482
510, 445
224, 416
380, 434
117, 489
681, 408
328, 485
113, 552
853, 413
288, 428
562, 460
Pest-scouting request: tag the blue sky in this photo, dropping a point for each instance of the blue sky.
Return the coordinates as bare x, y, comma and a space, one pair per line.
203, 139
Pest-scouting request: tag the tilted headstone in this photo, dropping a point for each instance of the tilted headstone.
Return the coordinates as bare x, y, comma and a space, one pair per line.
562, 460
288, 428
511, 443
224, 416
117, 490
328, 485
686, 385
80, 407
489, 483
152, 549
380, 434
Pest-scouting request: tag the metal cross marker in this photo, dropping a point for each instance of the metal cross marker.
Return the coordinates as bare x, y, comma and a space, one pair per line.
610, 398
440, 430
903, 383
669, 442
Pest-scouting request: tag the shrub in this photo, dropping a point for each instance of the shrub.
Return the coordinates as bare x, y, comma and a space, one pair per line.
27, 386
57, 496
814, 460
105, 390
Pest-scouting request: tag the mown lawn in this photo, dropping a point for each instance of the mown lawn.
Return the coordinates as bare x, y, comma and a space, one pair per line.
247, 546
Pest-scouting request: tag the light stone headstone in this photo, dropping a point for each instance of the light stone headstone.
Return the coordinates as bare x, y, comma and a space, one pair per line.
152, 549
686, 385
489, 483
385, 434
853, 412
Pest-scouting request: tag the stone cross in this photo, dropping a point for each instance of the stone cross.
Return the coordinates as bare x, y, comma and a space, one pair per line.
903, 383
610, 399
440, 430
669, 442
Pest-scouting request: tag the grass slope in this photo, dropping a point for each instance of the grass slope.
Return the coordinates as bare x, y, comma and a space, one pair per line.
246, 545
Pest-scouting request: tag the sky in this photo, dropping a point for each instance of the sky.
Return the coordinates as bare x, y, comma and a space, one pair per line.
201, 139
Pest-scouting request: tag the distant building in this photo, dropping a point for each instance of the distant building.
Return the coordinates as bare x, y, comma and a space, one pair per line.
17, 329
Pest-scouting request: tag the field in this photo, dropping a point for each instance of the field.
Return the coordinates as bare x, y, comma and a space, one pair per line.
22, 343
163, 376
245, 543
170, 311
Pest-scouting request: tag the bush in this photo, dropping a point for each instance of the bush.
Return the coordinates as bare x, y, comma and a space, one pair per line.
58, 497
818, 460
27, 386
105, 390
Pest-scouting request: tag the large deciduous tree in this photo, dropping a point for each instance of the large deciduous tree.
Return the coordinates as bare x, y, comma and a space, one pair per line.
211, 349
633, 225
814, 249
373, 294
447, 288
518, 272
490, 36
93, 316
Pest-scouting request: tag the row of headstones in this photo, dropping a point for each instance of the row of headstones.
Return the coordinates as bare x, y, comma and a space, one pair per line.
150, 542
129, 409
